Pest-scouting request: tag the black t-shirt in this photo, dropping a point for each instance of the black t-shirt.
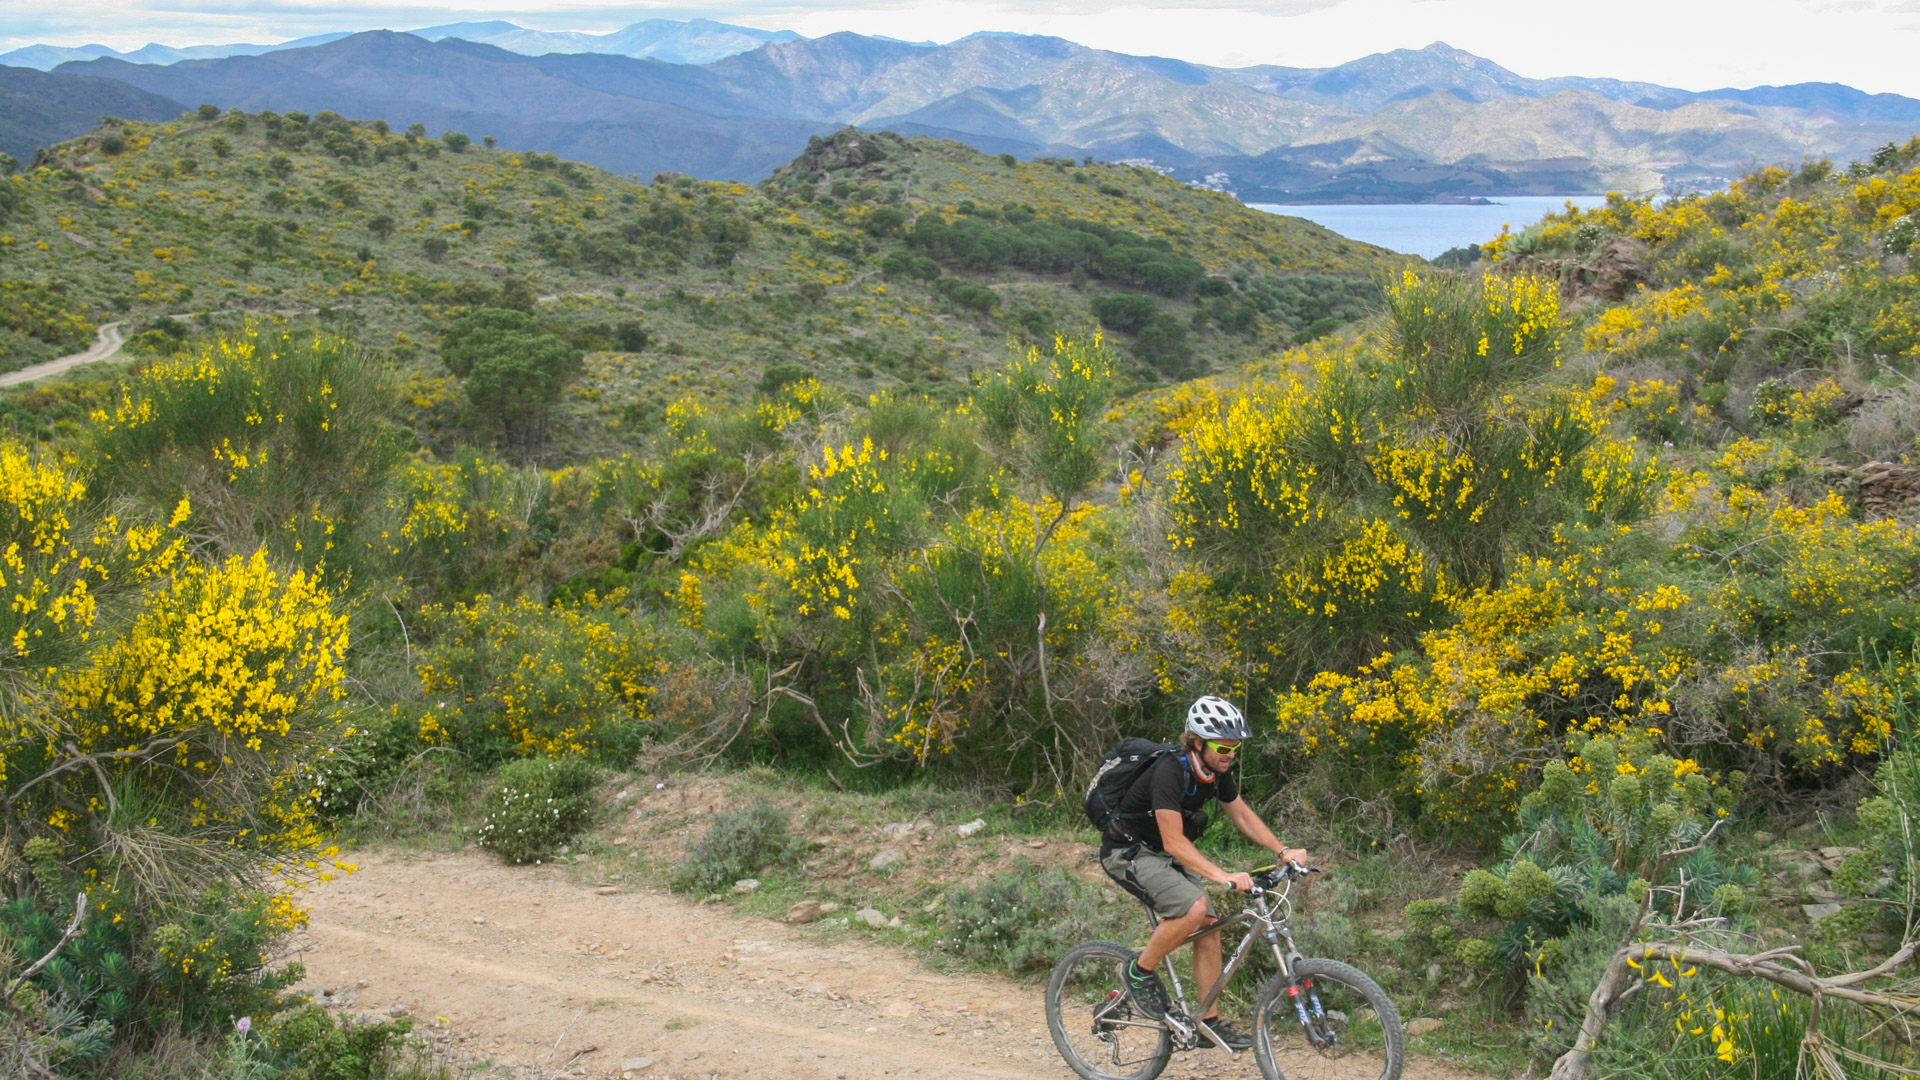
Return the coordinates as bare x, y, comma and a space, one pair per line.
1169, 784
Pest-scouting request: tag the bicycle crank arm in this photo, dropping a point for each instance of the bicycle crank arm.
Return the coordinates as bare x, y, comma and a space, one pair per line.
1212, 1038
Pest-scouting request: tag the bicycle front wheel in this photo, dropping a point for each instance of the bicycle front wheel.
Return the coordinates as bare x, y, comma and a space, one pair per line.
1354, 1033
1093, 1019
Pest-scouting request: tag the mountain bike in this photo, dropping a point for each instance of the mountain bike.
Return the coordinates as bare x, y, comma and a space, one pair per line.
1315, 1020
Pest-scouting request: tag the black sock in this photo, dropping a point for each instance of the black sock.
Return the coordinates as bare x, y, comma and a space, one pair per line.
1138, 970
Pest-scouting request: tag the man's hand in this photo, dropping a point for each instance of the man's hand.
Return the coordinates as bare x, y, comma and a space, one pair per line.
1298, 855
1239, 882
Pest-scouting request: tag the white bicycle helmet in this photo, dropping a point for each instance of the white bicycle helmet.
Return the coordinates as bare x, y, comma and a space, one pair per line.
1216, 718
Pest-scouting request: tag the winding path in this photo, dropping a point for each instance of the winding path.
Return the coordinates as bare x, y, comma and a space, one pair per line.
106, 344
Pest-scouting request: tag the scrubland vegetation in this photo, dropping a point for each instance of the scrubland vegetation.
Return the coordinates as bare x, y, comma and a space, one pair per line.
883, 264
1604, 599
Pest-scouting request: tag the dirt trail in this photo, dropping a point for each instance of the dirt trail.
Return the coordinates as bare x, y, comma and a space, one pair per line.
531, 970
107, 342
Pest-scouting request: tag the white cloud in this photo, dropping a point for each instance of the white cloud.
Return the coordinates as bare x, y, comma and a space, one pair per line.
1695, 44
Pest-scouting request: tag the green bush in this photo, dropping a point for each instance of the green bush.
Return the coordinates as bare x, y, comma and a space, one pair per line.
513, 370
1024, 919
286, 432
1128, 313
309, 1044
134, 967
737, 845
536, 805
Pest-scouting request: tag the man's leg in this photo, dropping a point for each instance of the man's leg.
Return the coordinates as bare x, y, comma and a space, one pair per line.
1169, 934
1206, 968
1181, 904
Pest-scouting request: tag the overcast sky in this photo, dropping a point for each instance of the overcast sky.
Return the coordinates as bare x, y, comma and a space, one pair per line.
1693, 44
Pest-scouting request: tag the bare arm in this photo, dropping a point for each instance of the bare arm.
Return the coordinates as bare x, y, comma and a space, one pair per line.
1256, 830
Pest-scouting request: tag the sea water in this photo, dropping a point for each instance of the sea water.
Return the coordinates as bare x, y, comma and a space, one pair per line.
1427, 229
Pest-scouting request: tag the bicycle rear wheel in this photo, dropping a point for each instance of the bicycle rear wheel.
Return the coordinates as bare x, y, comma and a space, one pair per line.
1355, 1034
1093, 1020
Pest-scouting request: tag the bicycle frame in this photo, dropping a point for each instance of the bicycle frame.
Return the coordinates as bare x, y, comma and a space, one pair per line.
1264, 927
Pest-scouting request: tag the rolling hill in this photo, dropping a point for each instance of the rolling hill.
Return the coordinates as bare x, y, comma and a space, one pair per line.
38, 108
873, 260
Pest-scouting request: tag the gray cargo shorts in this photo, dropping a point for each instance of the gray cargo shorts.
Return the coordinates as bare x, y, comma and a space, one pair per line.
1156, 879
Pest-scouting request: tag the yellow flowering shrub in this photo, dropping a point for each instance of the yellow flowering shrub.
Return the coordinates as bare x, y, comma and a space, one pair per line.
1800, 409
1630, 327
994, 599
514, 677
1651, 408
1750, 643
277, 438
1348, 502
62, 557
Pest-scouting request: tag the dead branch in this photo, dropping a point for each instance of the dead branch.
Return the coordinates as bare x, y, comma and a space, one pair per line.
73, 931
82, 761
1782, 966
715, 510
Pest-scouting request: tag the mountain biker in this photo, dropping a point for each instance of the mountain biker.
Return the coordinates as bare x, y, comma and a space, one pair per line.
1148, 849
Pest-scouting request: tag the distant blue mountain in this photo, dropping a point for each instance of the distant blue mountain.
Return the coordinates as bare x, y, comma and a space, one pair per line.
695, 41
48, 57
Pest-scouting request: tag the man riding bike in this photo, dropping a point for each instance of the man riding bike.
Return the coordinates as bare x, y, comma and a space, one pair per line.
1148, 849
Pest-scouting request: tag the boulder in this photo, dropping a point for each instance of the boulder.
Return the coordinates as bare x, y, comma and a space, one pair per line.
803, 912
887, 857
1816, 912
971, 827
871, 917
1423, 1025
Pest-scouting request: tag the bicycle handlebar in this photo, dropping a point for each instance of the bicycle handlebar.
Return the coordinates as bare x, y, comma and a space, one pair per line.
1293, 870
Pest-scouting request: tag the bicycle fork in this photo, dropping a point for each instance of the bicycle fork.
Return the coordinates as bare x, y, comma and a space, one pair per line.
1307, 1009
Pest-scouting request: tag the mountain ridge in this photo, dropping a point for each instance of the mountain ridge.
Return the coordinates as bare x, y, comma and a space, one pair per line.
693, 41
41, 107
1413, 123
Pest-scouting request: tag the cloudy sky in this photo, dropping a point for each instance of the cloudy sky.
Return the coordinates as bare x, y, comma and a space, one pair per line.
1694, 44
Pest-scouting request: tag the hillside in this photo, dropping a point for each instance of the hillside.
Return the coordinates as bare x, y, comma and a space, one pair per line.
1571, 598
209, 221
39, 109
1426, 123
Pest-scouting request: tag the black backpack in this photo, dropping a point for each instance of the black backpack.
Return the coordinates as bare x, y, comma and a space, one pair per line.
1121, 766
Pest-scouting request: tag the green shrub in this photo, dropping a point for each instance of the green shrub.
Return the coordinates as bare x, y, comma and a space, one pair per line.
136, 966
309, 1044
1024, 919
737, 845
536, 805
1128, 313
287, 432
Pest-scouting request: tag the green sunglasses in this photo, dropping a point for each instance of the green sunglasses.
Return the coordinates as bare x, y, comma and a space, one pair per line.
1223, 751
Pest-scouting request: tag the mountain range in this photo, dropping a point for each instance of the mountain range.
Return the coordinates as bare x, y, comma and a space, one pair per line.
695, 41
1408, 124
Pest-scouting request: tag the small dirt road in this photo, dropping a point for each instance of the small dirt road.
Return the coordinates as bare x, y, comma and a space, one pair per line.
106, 344
545, 976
